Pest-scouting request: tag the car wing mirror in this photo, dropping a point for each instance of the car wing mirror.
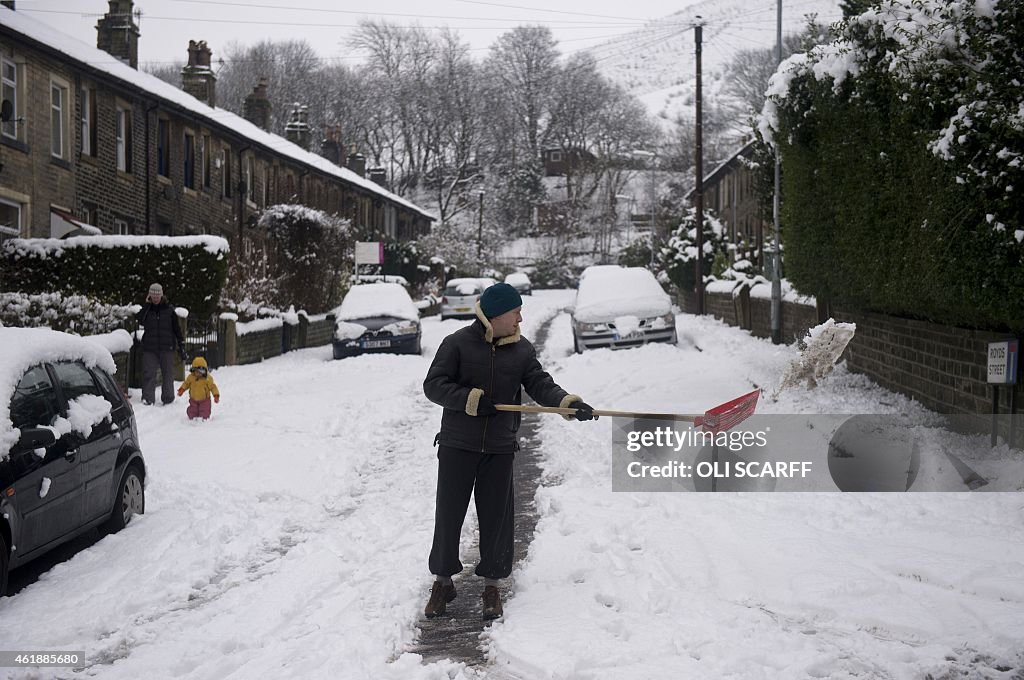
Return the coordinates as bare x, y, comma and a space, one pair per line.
35, 438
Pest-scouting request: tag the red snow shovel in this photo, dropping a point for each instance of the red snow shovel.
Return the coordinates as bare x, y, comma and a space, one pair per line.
717, 419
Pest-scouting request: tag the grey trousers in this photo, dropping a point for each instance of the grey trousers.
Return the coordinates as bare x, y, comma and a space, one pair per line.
164, 362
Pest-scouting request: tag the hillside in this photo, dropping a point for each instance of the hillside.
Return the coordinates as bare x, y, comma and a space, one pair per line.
656, 63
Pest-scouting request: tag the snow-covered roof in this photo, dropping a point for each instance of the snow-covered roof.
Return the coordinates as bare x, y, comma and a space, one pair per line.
28, 347
100, 61
371, 300
607, 292
713, 176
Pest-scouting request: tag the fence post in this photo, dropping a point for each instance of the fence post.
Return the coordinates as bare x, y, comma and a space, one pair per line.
230, 339
743, 299
303, 339
179, 365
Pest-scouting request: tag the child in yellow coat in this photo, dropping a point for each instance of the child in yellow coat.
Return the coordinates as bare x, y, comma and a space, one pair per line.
200, 386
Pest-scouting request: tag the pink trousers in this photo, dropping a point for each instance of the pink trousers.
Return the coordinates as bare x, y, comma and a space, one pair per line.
199, 409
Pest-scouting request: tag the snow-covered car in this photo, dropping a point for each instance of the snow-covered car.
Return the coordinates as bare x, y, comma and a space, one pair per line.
376, 317
460, 297
71, 457
521, 282
621, 307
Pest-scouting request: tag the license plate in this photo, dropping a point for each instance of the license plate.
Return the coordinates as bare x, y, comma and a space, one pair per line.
376, 344
462, 309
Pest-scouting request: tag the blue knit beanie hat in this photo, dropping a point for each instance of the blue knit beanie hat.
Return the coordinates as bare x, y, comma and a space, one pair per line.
498, 299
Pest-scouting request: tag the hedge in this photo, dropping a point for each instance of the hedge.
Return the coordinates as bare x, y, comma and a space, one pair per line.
119, 269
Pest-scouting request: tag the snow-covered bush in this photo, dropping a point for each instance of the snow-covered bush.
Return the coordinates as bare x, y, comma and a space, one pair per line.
76, 314
309, 257
676, 260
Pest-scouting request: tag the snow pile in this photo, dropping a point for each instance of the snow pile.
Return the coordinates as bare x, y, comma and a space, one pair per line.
28, 347
376, 300
821, 349
114, 341
463, 287
607, 292
344, 330
517, 279
84, 413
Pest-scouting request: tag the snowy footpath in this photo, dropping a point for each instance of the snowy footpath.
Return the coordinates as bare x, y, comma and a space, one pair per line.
288, 536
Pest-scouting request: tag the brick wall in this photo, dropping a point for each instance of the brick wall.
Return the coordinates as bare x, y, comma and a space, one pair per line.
320, 332
259, 345
942, 367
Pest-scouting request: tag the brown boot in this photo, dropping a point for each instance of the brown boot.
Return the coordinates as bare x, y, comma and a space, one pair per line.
492, 603
440, 595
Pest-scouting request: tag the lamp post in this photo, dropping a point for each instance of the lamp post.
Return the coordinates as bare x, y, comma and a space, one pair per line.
480, 228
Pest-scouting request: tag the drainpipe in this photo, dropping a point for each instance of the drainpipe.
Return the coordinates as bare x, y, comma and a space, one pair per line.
241, 199
149, 176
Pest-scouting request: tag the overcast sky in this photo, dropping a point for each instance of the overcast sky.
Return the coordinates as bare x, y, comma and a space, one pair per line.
168, 25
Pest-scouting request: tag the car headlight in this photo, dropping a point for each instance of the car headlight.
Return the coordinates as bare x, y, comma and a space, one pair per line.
588, 327
670, 319
409, 329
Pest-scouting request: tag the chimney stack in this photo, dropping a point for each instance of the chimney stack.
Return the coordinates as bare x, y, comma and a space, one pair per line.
117, 34
357, 163
197, 77
379, 176
297, 129
256, 108
330, 147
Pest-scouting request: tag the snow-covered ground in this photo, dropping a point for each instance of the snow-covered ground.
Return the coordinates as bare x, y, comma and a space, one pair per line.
287, 537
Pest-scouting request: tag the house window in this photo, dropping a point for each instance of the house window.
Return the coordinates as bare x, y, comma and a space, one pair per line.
10, 219
89, 213
225, 173
189, 158
163, 148
120, 227
205, 151
9, 78
556, 156
123, 120
58, 119
88, 140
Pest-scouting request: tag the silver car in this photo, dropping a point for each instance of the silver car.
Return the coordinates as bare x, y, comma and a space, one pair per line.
621, 307
460, 297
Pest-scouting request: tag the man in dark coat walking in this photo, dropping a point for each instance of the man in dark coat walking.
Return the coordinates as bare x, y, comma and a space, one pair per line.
161, 337
476, 367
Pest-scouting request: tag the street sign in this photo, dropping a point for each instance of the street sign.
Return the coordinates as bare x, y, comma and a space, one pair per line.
1002, 362
369, 252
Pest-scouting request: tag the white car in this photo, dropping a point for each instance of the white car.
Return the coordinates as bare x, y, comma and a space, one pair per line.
621, 307
460, 297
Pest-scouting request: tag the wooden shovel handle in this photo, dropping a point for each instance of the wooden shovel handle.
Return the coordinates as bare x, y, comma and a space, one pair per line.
571, 412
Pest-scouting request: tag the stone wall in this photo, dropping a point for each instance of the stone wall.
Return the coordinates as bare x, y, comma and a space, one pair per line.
259, 345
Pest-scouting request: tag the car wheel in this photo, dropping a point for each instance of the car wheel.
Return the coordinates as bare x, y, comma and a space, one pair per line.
5, 557
129, 501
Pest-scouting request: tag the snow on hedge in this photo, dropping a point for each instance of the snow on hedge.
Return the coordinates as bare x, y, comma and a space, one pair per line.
44, 247
960, 56
28, 347
77, 313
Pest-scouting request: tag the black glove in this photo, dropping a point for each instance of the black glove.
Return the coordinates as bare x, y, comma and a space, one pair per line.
485, 407
181, 353
584, 411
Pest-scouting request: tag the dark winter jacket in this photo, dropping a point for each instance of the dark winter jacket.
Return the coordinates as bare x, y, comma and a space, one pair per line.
470, 363
162, 330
